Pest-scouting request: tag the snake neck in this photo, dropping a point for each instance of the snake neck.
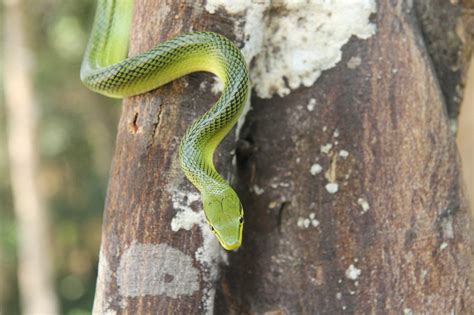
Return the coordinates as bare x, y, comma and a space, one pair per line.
205, 134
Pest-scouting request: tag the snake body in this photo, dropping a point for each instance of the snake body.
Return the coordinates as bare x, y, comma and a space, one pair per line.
106, 70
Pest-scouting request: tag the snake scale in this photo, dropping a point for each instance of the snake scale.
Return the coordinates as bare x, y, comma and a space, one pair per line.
107, 70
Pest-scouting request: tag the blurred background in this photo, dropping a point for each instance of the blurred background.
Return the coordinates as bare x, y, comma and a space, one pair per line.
71, 137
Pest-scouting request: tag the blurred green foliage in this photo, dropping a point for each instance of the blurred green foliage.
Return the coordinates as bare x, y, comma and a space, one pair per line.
75, 140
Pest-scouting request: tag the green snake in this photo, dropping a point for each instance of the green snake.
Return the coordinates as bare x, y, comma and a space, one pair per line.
107, 70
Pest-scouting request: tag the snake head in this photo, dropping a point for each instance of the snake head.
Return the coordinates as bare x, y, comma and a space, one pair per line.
224, 214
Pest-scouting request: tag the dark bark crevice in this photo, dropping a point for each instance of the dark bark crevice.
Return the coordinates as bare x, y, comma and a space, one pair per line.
446, 27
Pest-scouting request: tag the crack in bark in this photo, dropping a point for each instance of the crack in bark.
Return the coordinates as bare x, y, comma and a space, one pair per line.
155, 124
133, 126
282, 208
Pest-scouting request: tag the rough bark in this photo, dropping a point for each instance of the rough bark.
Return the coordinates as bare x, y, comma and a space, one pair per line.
394, 237
447, 29
465, 141
35, 268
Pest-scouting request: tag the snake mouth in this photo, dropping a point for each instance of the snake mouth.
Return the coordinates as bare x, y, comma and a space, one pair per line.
230, 246
232, 242
229, 241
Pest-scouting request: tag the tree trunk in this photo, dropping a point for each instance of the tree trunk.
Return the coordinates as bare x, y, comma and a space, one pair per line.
35, 268
158, 254
351, 186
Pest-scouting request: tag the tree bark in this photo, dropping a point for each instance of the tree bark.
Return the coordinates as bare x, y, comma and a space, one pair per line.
393, 236
466, 141
157, 254
35, 270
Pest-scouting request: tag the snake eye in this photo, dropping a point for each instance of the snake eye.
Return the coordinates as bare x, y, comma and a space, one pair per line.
212, 228
241, 220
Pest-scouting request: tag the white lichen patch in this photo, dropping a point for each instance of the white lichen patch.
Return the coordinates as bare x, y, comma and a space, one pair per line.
311, 105
407, 311
272, 204
186, 217
257, 190
217, 87
315, 169
352, 272
447, 227
344, 154
453, 126
148, 269
102, 305
336, 133
304, 223
443, 246
363, 204
295, 40
210, 253
233, 7
332, 188
203, 85
354, 62
326, 148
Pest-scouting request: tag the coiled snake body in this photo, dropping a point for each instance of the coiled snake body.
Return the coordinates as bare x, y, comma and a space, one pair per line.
106, 71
